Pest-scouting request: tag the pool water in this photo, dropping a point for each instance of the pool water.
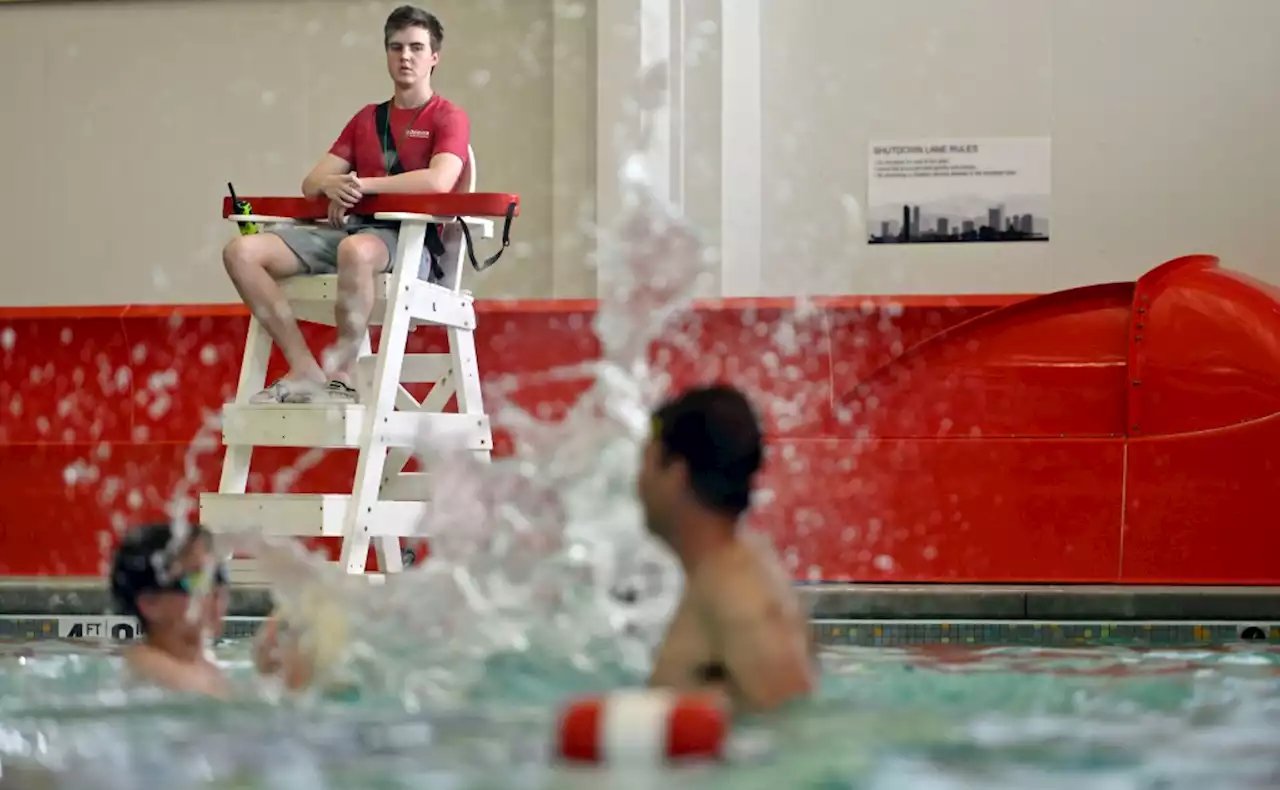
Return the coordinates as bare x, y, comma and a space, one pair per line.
885, 718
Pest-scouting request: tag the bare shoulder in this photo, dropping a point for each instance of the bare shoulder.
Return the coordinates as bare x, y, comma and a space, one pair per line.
157, 668
142, 659
748, 582
150, 666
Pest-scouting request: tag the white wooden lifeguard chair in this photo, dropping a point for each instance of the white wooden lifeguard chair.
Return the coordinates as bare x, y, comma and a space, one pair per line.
385, 504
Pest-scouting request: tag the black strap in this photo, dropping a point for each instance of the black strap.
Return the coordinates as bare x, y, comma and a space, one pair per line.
382, 125
391, 161
434, 243
506, 240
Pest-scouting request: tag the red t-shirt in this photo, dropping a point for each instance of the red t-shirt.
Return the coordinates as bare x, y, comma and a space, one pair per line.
442, 127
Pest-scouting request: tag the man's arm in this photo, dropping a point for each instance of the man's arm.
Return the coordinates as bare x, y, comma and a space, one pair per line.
273, 654
337, 161
440, 176
766, 660
453, 135
317, 181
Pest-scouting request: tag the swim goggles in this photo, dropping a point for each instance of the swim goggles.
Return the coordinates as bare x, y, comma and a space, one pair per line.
198, 579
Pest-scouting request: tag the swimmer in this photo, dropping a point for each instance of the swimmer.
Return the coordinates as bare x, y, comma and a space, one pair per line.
153, 580
740, 631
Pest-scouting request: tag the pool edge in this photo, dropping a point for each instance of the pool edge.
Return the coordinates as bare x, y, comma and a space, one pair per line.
87, 596
843, 615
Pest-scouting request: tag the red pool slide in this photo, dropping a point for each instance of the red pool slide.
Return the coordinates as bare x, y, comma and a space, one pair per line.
1126, 432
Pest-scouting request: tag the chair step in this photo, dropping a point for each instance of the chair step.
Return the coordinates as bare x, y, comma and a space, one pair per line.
312, 299
338, 426
304, 515
247, 573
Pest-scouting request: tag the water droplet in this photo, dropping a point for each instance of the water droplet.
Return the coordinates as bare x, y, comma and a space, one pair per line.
8, 338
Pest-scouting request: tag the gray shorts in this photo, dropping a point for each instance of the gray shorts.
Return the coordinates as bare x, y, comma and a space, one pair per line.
317, 246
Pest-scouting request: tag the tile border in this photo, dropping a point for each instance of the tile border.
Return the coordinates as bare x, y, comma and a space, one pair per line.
86, 596
1025, 633
18, 631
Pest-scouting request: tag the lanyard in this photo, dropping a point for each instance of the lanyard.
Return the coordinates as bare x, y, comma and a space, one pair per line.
391, 153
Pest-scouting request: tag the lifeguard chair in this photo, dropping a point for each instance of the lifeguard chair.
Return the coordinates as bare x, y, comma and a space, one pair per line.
385, 504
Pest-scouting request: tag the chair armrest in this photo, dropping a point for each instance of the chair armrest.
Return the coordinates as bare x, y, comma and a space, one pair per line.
478, 225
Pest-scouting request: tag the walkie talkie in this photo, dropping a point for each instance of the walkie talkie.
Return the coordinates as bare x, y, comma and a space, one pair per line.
242, 208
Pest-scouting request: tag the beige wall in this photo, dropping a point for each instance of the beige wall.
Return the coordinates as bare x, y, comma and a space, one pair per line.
1163, 113
128, 118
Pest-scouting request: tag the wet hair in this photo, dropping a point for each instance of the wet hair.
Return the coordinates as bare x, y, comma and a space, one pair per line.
715, 432
407, 16
141, 565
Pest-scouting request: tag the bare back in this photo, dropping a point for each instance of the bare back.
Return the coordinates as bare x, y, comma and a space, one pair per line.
740, 629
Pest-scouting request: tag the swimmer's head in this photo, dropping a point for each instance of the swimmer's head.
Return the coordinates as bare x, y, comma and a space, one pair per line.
153, 577
703, 455
412, 37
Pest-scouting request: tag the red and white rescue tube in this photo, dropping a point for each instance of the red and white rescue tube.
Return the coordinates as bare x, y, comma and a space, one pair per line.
642, 727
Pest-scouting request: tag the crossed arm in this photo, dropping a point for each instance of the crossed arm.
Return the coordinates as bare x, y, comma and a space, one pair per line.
332, 171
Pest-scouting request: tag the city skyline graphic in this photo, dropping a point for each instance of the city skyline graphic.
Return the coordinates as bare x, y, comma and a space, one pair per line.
957, 220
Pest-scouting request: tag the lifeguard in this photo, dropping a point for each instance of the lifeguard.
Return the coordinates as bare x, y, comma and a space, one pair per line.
415, 143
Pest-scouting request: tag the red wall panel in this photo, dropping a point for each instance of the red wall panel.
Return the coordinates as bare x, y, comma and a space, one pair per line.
137, 427
949, 510
915, 439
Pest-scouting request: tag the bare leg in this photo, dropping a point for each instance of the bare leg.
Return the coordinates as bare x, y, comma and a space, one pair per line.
255, 263
360, 259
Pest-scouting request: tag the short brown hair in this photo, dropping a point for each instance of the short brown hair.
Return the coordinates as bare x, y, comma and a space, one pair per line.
407, 16
716, 432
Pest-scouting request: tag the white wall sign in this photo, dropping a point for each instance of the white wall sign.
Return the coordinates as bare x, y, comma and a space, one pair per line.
91, 628
958, 190
119, 629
